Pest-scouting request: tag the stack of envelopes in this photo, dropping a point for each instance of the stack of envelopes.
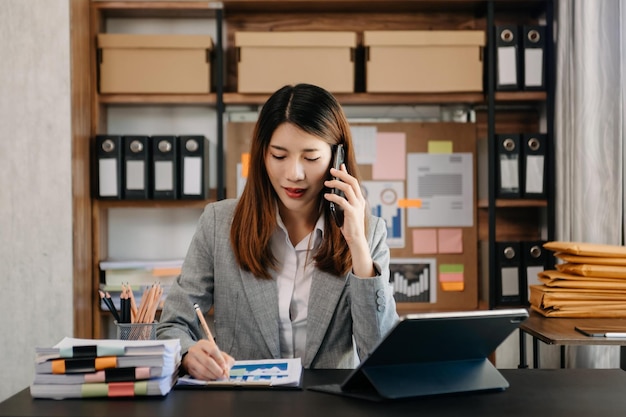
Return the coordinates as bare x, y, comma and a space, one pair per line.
589, 282
79, 368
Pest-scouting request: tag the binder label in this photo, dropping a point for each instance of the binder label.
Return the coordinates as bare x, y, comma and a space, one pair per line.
510, 281
107, 177
135, 175
533, 67
507, 65
163, 175
192, 174
509, 177
534, 174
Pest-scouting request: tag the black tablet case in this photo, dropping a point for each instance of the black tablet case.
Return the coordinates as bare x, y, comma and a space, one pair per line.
433, 354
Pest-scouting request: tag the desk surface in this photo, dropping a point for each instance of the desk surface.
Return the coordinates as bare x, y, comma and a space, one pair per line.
561, 331
549, 392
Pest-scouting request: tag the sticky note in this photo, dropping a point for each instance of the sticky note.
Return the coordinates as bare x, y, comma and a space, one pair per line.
450, 240
451, 277
409, 203
424, 241
390, 156
245, 164
439, 146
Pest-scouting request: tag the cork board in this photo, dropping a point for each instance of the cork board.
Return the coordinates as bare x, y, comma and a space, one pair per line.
434, 252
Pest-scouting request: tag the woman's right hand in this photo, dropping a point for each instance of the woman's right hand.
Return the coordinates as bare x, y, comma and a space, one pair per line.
206, 362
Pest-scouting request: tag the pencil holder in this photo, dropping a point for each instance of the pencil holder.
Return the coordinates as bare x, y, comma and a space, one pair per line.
136, 331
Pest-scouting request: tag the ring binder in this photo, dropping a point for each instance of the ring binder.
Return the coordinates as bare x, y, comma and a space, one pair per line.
508, 166
193, 167
534, 259
534, 43
508, 277
507, 61
108, 184
136, 152
534, 183
164, 168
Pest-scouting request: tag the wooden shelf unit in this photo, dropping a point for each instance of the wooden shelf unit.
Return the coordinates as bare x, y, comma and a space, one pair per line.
515, 219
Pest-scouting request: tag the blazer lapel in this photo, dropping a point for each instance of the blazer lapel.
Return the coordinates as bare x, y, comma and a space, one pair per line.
326, 289
262, 295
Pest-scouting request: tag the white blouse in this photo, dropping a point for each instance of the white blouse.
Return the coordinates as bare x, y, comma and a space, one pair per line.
293, 277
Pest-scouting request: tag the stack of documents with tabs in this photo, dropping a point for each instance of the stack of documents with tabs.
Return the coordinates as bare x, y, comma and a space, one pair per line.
80, 368
590, 281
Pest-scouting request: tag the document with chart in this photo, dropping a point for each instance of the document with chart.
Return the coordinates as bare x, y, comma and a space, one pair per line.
256, 374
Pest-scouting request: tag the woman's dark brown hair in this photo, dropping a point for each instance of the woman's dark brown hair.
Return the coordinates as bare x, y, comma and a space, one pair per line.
317, 112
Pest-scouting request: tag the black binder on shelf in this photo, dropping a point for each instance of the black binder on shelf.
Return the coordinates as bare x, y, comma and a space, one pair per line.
193, 166
136, 167
534, 261
508, 166
164, 168
108, 184
534, 57
534, 167
508, 276
507, 57
433, 354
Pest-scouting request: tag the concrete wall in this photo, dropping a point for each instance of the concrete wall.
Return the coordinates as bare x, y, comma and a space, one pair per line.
35, 184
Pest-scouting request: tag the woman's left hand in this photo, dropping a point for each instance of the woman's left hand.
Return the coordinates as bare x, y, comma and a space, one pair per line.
353, 228
353, 205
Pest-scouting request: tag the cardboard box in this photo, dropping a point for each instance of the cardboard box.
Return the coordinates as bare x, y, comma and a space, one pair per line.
424, 61
269, 60
178, 64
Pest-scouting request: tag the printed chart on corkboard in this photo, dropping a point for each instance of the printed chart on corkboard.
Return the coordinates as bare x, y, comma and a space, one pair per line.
421, 179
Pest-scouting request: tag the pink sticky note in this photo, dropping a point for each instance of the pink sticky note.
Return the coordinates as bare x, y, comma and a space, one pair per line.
390, 161
451, 277
450, 240
424, 241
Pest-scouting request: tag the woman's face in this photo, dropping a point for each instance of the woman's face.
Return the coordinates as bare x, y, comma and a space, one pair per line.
297, 164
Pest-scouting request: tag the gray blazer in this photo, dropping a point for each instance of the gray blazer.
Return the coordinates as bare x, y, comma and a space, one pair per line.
343, 312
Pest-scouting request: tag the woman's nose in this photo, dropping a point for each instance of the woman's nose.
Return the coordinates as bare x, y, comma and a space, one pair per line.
296, 171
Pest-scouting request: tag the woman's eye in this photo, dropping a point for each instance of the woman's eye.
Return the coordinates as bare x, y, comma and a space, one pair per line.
278, 156
313, 159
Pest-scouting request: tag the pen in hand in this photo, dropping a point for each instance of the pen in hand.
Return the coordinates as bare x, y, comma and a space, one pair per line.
207, 333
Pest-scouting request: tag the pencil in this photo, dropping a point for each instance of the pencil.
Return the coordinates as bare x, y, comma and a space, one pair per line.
207, 333
205, 327
106, 298
123, 305
133, 304
143, 305
154, 305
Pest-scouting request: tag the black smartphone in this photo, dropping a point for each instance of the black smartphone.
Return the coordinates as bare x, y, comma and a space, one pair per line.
335, 210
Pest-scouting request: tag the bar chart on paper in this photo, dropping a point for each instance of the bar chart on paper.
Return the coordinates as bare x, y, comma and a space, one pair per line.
383, 197
414, 280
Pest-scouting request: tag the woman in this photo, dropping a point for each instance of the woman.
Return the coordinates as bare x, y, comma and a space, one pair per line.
283, 279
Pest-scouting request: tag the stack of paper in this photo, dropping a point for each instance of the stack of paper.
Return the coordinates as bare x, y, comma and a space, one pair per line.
79, 368
137, 273
590, 282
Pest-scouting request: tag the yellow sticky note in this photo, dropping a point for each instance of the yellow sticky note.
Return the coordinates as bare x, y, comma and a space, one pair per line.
245, 164
439, 146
